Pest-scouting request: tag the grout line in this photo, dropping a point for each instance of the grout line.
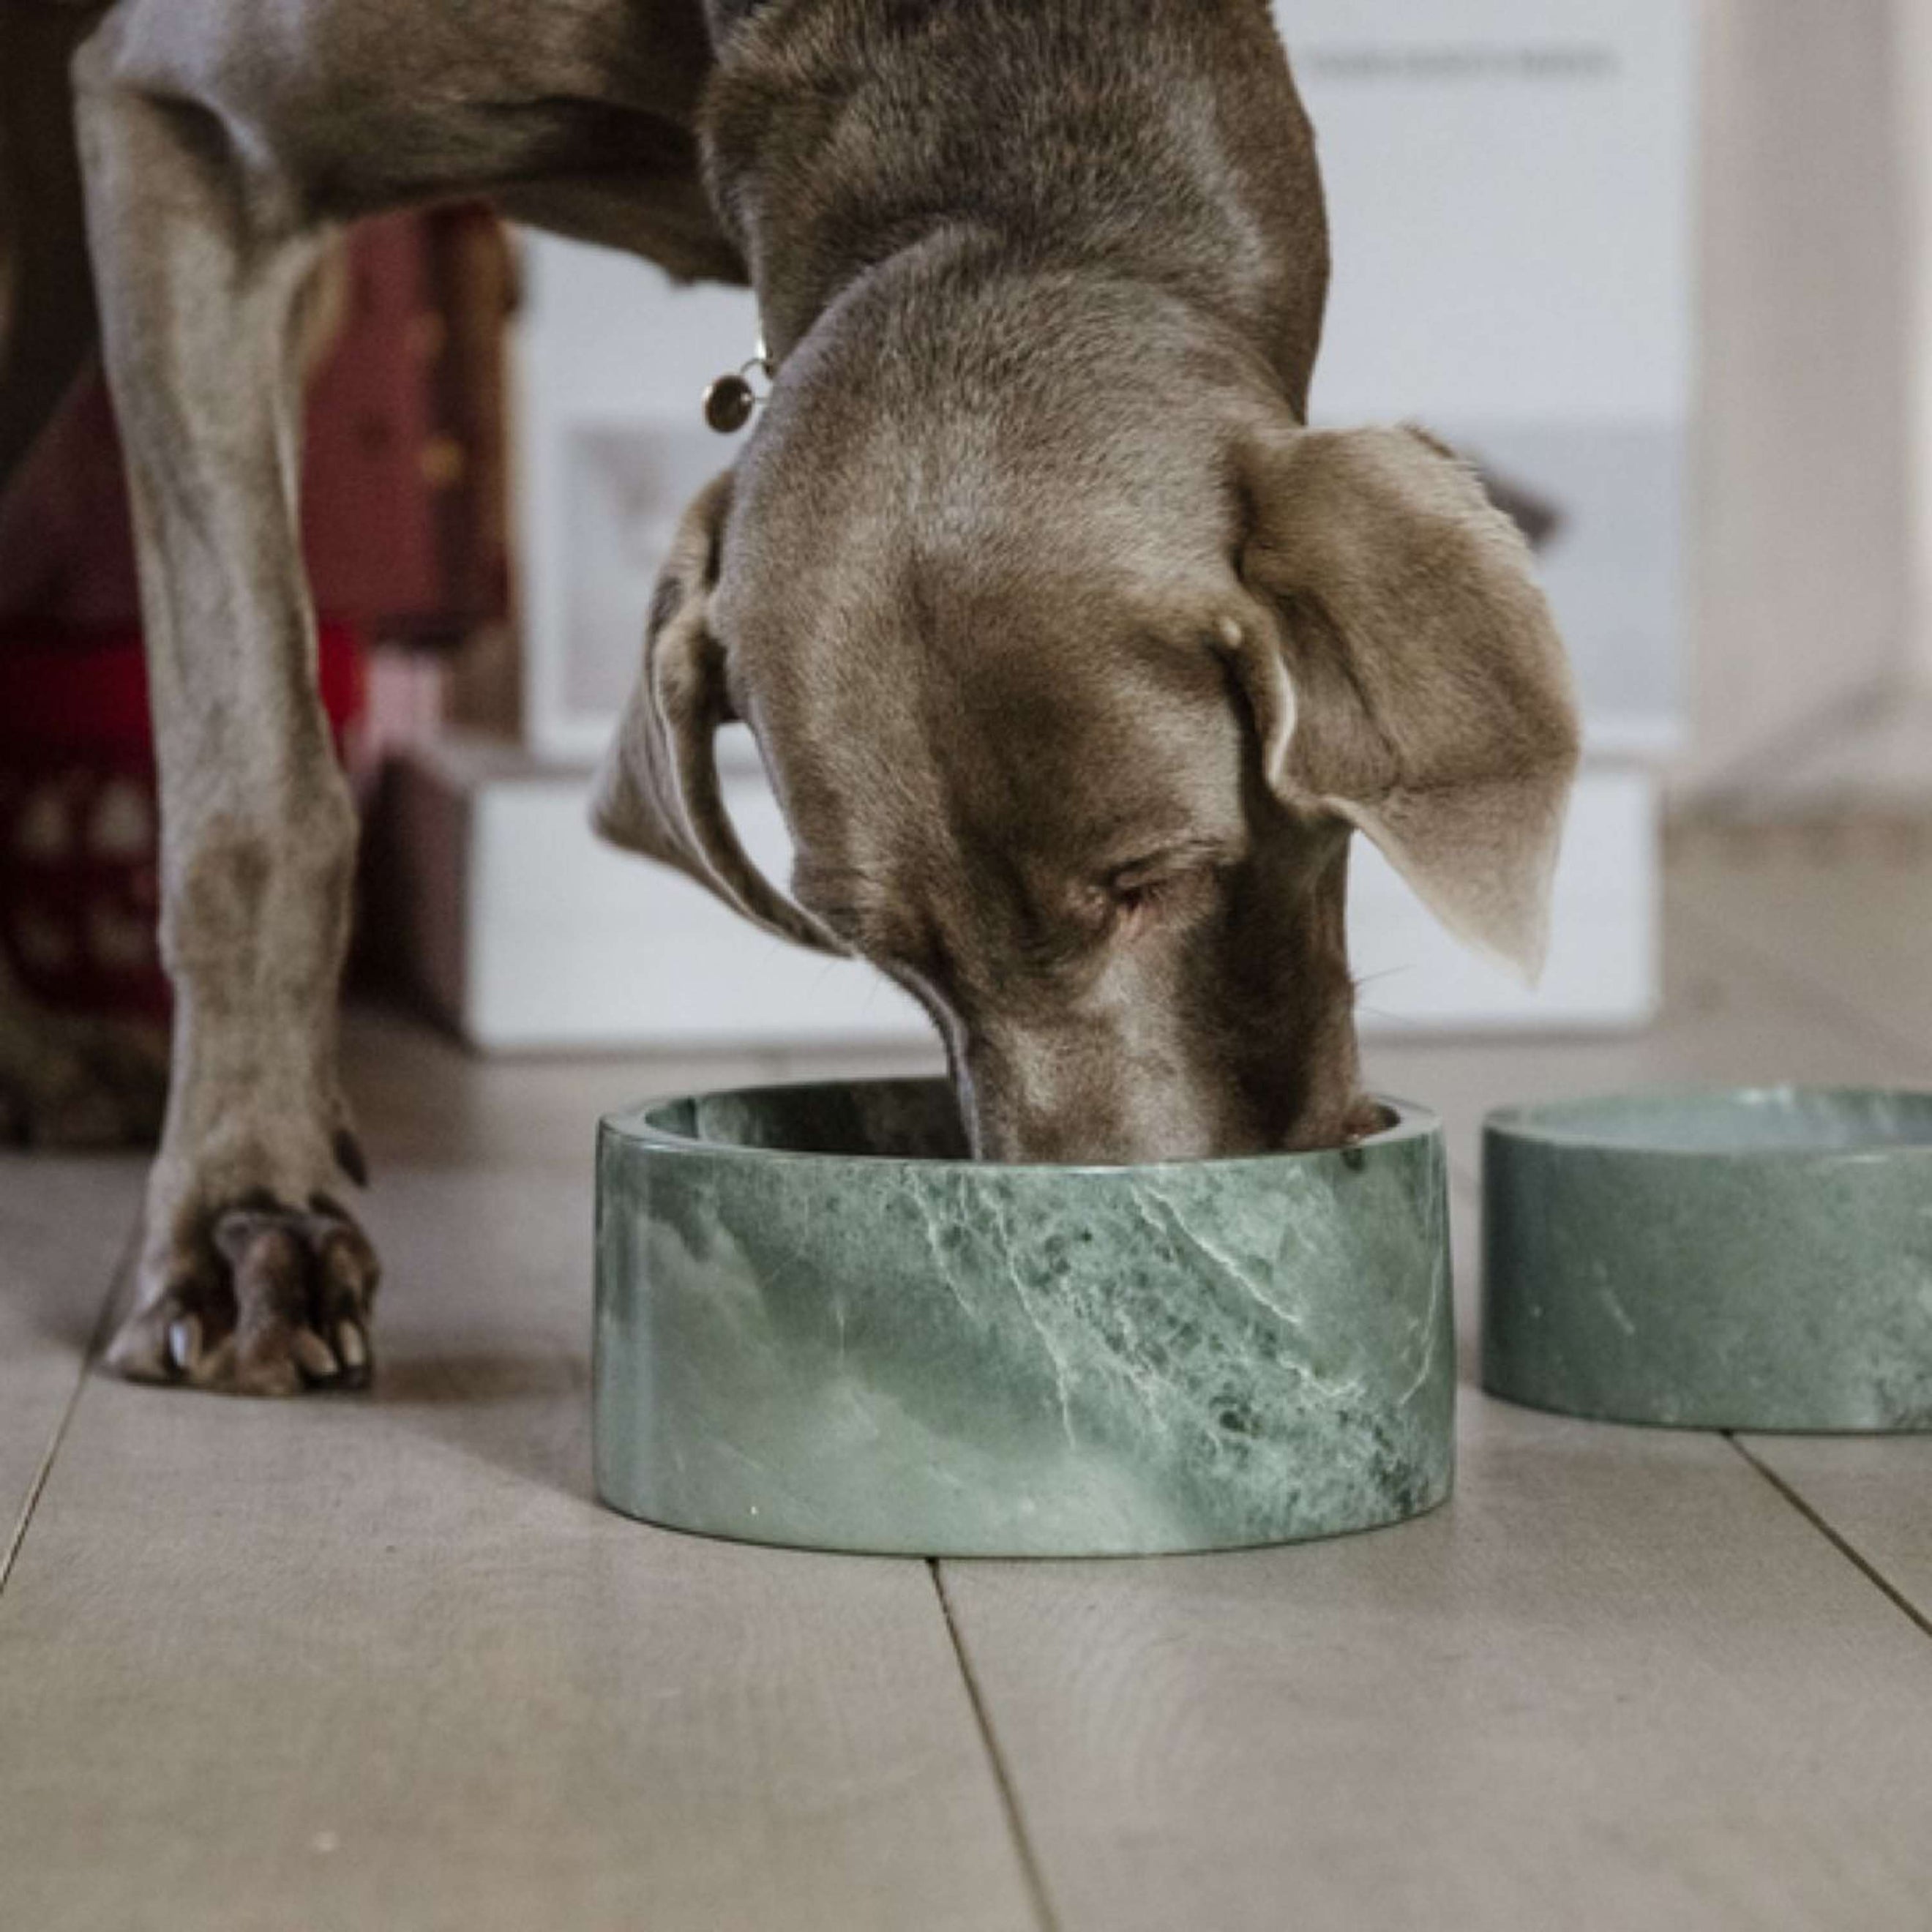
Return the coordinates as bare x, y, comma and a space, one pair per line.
97, 1341
1842, 1543
1036, 1881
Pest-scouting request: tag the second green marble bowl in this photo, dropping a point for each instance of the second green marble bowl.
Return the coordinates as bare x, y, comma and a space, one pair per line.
1755, 1260
818, 1325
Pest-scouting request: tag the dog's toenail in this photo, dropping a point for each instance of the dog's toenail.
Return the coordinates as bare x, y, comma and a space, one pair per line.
317, 1359
184, 1343
350, 1158
349, 1344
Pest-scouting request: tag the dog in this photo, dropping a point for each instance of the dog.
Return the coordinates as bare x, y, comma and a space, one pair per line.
1076, 658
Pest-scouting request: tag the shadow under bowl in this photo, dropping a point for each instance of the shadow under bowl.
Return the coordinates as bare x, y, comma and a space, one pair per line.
1759, 1259
819, 1325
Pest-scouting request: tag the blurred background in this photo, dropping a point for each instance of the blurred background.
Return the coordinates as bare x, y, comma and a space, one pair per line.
1663, 268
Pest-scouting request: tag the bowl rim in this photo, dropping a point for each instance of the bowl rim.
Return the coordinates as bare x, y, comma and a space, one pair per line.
634, 1126
1531, 1123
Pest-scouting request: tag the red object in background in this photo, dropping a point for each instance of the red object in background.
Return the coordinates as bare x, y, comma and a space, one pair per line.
404, 533
401, 526
78, 823
390, 525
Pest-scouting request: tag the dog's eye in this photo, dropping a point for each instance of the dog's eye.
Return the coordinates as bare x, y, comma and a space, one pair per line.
1141, 896
1175, 884
1138, 895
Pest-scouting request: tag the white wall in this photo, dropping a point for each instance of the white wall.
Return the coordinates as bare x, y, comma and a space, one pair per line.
1803, 534
1913, 107
1811, 539
1510, 186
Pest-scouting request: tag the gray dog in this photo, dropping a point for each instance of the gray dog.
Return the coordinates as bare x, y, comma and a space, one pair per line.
1075, 657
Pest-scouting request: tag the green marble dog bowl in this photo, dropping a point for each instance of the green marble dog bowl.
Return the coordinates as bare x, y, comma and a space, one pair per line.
818, 1324
1753, 1260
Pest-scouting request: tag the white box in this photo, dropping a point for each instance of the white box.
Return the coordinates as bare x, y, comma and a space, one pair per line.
525, 932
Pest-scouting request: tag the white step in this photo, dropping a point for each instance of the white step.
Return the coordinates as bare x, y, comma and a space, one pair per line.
524, 932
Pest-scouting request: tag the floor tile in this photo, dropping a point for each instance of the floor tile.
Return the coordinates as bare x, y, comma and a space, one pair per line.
65, 1225
1875, 1492
1619, 1682
355, 1663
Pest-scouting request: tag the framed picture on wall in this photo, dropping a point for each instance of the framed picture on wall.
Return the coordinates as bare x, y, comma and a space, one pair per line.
611, 365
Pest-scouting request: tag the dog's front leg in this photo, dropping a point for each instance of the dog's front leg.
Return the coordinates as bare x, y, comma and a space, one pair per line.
253, 1277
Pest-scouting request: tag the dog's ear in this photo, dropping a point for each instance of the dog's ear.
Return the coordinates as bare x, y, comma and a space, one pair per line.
1405, 674
658, 792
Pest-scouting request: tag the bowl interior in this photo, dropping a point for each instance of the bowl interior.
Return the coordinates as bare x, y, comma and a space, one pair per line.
875, 1120
890, 1120
1753, 1120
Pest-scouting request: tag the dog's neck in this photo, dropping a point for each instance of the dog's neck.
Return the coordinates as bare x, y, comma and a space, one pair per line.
725, 17
843, 135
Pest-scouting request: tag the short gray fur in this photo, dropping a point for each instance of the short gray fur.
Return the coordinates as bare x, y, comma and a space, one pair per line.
1758, 1260
805, 1337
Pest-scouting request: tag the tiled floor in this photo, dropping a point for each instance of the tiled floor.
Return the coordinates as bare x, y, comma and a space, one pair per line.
384, 1664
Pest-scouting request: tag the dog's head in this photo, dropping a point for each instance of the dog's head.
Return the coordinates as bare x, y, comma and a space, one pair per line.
1076, 662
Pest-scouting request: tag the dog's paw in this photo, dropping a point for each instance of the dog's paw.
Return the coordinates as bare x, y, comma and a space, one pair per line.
72, 1083
269, 1301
